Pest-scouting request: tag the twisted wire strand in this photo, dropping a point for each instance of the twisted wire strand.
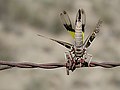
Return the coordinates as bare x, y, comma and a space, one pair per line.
9, 65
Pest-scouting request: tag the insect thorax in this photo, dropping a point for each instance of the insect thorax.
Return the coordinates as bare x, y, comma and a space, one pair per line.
79, 52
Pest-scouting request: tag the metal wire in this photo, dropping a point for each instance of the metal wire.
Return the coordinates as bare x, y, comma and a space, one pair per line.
9, 65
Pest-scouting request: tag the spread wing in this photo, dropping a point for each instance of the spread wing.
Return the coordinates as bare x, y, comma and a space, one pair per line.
67, 23
63, 43
83, 18
92, 36
80, 27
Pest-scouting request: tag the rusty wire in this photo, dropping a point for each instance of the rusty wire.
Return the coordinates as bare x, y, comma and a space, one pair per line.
9, 65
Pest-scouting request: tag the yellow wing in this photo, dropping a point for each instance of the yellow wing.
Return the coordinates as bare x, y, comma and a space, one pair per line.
83, 37
67, 23
83, 20
80, 27
72, 34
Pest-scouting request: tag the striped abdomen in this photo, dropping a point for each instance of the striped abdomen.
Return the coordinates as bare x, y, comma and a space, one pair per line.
79, 33
78, 41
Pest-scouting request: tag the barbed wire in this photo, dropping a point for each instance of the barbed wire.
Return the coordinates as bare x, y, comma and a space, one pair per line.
9, 65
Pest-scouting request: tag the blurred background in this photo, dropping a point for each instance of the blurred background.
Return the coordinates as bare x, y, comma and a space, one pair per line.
22, 20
